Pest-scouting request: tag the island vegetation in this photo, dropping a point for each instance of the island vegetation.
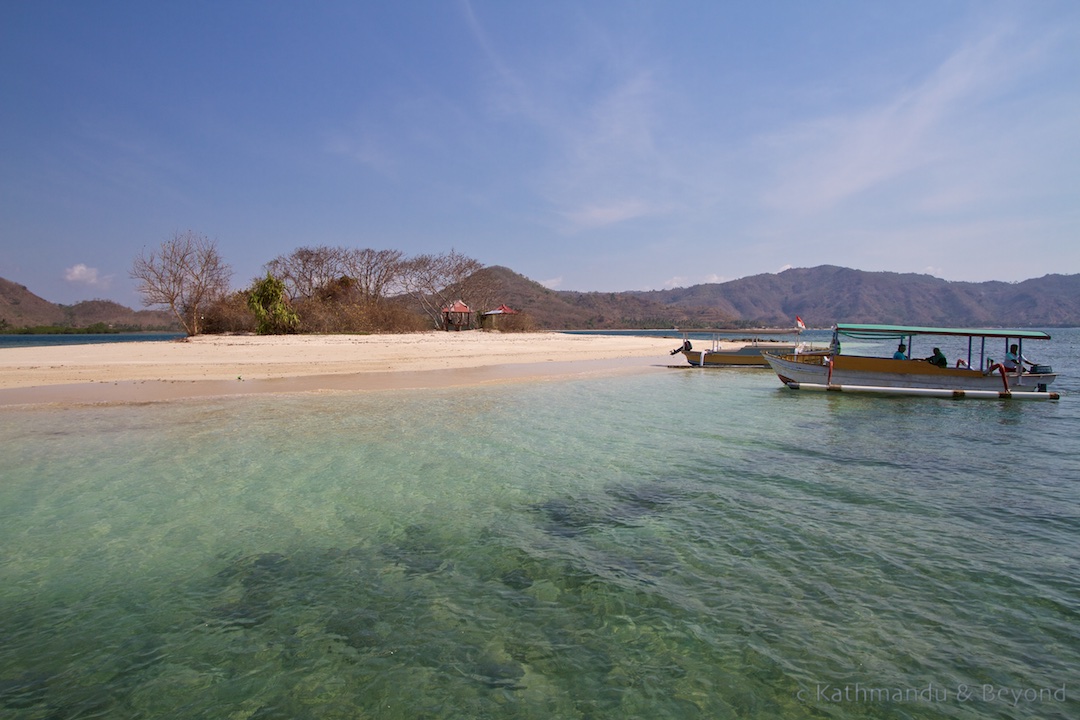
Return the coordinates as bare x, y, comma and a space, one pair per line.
314, 290
352, 290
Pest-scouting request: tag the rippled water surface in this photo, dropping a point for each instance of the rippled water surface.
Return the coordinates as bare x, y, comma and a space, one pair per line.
680, 544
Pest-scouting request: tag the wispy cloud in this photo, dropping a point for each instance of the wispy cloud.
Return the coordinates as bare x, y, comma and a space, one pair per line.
598, 118
515, 97
827, 161
553, 283
365, 150
609, 169
81, 274
600, 215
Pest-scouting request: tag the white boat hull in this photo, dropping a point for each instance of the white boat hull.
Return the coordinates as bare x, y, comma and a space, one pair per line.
748, 356
853, 373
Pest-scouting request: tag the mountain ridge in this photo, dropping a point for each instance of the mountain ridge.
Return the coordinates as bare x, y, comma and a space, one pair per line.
821, 295
20, 308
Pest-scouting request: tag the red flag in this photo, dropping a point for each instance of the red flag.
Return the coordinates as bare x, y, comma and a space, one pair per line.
799, 323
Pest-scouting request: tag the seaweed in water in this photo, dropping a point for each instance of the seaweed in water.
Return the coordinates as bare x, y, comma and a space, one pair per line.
240, 615
625, 506
498, 674
260, 577
636, 501
356, 626
566, 518
24, 691
517, 579
417, 551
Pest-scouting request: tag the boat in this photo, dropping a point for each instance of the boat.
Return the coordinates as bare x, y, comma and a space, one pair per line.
975, 374
728, 353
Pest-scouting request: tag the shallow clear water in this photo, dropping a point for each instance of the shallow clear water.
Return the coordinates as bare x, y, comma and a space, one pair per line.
685, 543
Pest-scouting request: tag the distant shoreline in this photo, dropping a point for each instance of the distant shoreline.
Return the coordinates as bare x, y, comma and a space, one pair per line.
17, 340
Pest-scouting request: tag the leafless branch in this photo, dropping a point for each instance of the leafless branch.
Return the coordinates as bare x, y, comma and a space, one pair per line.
186, 274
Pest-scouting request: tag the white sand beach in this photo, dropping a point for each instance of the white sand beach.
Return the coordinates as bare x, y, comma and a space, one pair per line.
234, 364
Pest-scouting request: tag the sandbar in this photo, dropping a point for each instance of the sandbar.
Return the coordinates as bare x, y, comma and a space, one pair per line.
213, 365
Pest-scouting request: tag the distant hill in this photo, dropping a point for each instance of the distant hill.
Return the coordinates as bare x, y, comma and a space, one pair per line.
559, 309
21, 308
821, 296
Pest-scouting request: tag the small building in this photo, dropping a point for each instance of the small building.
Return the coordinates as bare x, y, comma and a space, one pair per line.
457, 316
493, 319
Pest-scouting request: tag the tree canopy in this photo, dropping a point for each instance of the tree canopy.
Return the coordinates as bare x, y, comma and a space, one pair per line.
186, 274
273, 314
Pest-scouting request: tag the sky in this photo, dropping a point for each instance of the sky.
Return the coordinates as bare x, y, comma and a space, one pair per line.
588, 145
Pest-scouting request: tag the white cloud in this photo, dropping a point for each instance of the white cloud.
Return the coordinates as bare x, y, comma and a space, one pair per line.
85, 275
683, 281
674, 282
553, 283
600, 215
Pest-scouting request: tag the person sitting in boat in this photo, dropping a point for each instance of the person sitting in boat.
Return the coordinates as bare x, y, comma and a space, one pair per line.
684, 348
938, 358
900, 353
1014, 361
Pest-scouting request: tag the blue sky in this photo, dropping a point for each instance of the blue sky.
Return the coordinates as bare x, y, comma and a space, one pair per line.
587, 145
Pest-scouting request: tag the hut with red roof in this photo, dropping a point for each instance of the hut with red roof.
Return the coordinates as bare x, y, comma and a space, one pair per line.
457, 316
492, 319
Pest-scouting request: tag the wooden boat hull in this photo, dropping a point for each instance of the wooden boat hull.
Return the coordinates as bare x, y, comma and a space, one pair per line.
747, 356
849, 372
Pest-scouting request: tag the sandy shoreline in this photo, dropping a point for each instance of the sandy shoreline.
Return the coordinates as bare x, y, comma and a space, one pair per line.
227, 365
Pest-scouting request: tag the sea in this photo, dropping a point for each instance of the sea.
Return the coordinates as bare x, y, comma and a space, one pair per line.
677, 543
45, 340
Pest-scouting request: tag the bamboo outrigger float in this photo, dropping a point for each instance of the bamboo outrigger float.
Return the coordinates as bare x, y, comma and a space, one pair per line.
976, 376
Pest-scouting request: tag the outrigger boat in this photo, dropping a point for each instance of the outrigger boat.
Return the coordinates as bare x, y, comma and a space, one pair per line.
747, 355
728, 352
977, 375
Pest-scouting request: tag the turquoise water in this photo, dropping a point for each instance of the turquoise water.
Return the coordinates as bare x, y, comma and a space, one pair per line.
679, 544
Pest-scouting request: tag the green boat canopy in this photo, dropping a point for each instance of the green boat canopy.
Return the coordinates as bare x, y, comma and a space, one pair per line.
885, 332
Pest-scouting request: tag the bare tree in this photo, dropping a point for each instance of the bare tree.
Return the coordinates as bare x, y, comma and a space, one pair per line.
186, 274
436, 281
307, 270
483, 291
374, 272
